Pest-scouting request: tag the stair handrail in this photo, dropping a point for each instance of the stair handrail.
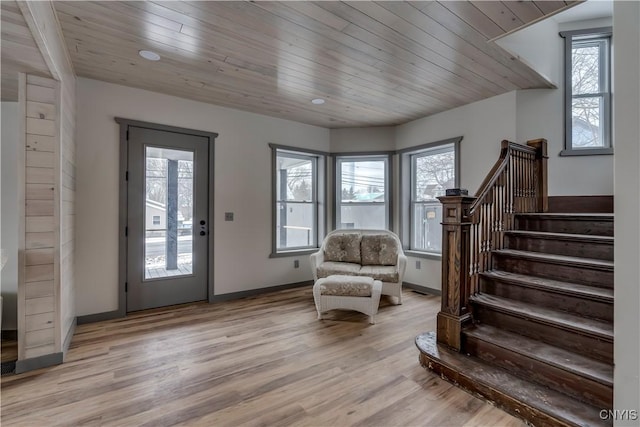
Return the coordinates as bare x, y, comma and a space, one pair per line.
474, 226
507, 148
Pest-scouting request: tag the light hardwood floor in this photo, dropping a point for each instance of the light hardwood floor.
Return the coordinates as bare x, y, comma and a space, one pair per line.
264, 360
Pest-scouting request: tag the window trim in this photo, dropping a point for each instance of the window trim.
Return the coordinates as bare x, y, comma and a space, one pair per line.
602, 33
337, 180
318, 197
406, 190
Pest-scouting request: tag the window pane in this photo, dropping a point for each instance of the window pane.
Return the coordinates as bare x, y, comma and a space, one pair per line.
363, 216
585, 73
427, 231
433, 174
585, 122
294, 178
295, 225
363, 181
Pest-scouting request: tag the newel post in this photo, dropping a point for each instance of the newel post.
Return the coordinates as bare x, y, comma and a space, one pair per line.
541, 172
456, 284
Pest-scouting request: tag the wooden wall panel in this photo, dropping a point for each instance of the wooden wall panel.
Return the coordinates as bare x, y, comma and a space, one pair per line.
42, 350
37, 322
39, 271
40, 338
48, 313
39, 289
40, 143
39, 305
67, 185
39, 175
39, 240
38, 257
39, 191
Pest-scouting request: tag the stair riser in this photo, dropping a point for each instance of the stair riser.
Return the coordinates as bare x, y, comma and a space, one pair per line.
504, 401
584, 389
571, 340
569, 273
595, 250
573, 304
566, 225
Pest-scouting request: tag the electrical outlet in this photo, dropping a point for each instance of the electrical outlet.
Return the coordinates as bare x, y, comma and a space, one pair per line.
228, 216
417, 264
296, 263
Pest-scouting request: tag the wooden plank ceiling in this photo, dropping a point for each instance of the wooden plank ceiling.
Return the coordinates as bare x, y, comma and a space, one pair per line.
19, 50
375, 63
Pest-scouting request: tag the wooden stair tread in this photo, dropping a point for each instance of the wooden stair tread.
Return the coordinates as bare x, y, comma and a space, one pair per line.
561, 215
550, 285
558, 259
477, 376
561, 236
545, 353
561, 319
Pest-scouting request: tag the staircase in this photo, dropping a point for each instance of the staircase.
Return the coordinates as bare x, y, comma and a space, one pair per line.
541, 340
526, 317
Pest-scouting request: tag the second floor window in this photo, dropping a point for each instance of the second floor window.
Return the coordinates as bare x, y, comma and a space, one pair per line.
587, 92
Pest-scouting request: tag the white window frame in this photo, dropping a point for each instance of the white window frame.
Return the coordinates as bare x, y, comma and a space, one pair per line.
571, 38
337, 208
408, 158
317, 198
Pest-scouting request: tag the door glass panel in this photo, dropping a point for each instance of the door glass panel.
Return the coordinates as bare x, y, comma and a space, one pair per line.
169, 202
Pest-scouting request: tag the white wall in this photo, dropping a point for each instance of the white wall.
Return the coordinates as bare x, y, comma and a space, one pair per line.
242, 186
381, 138
9, 232
626, 127
483, 125
530, 46
540, 112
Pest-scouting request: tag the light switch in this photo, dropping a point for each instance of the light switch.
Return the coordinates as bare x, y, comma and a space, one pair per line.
228, 216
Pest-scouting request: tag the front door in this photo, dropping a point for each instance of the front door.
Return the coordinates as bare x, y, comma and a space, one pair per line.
167, 218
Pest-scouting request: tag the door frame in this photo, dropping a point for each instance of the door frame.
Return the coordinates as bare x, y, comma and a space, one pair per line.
123, 197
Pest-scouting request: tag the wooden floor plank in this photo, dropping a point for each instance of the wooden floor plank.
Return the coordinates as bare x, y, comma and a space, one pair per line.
264, 360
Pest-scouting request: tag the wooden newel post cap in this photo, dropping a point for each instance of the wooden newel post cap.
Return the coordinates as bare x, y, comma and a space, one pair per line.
456, 192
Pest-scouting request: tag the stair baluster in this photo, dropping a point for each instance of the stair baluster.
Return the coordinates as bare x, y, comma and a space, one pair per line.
474, 226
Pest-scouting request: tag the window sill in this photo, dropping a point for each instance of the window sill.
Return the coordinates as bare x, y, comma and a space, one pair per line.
426, 255
298, 252
587, 152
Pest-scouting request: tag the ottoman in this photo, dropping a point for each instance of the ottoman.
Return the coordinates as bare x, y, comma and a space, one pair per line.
348, 293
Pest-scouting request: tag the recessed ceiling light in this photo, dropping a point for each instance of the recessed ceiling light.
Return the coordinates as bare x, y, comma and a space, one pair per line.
151, 56
317, 101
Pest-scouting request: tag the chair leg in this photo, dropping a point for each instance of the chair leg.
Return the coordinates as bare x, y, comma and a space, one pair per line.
372, 320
